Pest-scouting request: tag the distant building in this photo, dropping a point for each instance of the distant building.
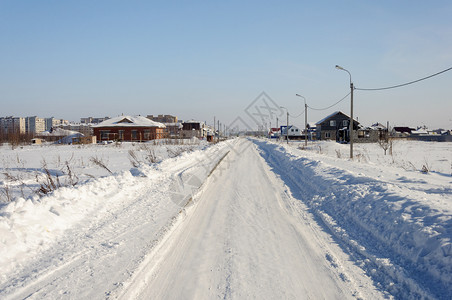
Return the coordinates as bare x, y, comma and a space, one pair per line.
293, 132
91, 120
173, 126
401, 131
9, 125
60, 136
34, 125
52, 122
85, 129
163, 118
129, 128
194, 129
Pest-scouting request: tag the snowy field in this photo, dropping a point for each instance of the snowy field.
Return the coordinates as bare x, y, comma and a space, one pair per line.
114, 221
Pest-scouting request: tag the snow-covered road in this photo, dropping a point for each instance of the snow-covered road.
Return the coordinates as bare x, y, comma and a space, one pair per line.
240, 219
245, 237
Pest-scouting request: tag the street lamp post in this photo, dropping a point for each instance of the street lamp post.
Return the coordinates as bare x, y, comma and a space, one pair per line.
305, 120
287, 128
351, 110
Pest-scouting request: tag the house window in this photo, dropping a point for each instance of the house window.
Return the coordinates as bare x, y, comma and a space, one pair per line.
345, 123
291, 130
134, 134
327, 135
333, 123
121, 135
104, 134
363, 134
147, 134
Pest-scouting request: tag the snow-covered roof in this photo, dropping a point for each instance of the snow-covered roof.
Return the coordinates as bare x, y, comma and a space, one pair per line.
378, 126
194, 121
327, 117
331, 115
129, 121
58, 132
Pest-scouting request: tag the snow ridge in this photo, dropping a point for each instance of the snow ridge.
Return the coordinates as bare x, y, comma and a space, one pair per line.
402, 243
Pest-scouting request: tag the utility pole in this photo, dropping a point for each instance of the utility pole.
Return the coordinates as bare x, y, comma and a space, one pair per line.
218, 130
351, 118
305, 124
214, 133
305, 120
351, 109
287, 128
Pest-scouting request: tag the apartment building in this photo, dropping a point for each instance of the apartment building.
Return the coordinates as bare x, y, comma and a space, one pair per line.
34, 125
12, 125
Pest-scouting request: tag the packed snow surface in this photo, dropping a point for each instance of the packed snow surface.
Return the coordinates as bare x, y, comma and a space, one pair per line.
238, 219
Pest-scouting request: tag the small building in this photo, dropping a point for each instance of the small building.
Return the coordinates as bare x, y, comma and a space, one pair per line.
37, 141
401, 131
129, 128
294, 133
193, 128
60, 136
274, 133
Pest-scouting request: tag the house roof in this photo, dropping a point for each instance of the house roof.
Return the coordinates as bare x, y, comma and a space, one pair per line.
403, 129
129, 121
59, 132
331, 115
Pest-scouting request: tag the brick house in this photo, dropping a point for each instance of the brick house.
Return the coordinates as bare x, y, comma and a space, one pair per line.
128, 128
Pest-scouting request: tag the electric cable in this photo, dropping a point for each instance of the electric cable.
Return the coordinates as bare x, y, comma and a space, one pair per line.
330, 105
404, 84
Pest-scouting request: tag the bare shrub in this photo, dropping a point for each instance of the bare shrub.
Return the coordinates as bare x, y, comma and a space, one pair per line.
426, 168
133, 158
49, 183
175, 152
6, 192
98, 162
338, 153
72, 178
384, 143
151, 157
361, 157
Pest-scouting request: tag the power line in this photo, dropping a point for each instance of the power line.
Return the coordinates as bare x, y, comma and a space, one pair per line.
404, 84
330, 105
296, 115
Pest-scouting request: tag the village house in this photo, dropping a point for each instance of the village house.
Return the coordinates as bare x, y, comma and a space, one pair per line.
335, 127
294, 133
128, 128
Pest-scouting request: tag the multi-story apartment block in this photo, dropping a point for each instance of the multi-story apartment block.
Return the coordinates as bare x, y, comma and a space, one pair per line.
91, 120
12, 125
52, 122
84, 129
34, 125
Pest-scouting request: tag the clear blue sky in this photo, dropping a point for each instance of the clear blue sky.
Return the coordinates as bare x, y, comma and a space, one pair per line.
200, 59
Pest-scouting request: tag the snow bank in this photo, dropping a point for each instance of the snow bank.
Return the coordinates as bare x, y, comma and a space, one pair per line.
29, 226
397, 227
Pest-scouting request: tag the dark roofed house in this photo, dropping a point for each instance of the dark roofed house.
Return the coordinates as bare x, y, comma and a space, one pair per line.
335, 127
128, 128
402, 131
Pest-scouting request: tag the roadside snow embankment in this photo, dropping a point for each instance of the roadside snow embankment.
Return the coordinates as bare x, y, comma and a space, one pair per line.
400, 235
29, 227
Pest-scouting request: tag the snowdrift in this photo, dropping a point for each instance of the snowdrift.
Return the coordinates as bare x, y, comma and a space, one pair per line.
395, 233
